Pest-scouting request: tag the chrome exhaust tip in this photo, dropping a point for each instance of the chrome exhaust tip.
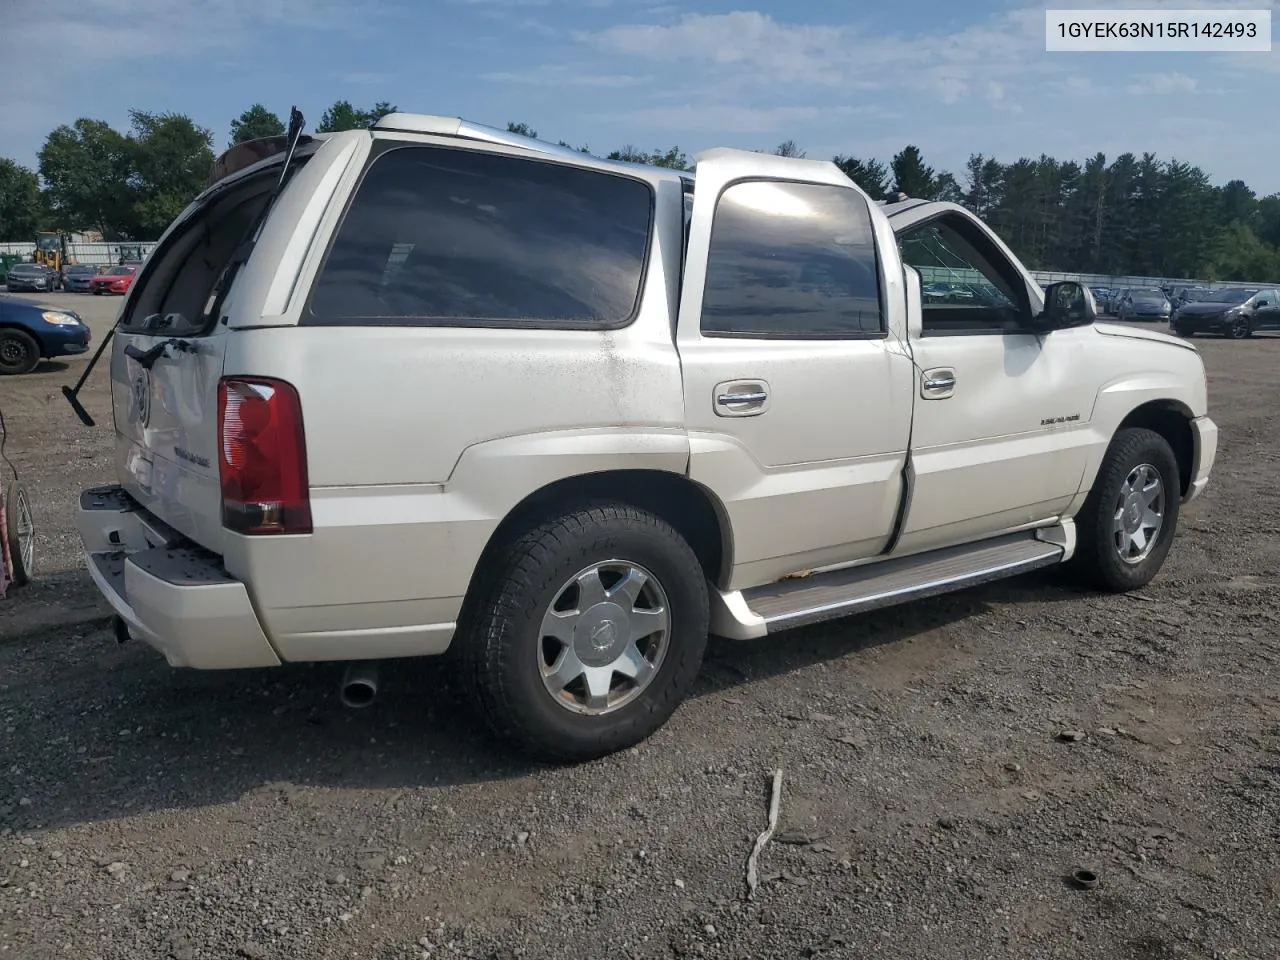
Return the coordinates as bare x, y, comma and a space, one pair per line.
359, 685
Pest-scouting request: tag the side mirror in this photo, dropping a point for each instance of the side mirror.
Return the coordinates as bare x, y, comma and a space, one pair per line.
1066, 304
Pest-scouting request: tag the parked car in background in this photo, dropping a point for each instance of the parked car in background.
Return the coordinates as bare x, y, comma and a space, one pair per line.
114, 280
76, 277
799, 435
943, 292
1230, 312
1144, 303
1186, 294
30, 331
1101, 296
31, 278
8, 260
1114, 296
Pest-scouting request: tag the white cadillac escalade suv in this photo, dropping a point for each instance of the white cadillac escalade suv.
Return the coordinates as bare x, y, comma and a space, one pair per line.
437, 387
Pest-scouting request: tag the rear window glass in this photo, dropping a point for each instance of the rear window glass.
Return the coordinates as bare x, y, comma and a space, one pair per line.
439, 235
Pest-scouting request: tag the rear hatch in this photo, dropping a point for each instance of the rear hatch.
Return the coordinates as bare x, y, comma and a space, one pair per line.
168, 357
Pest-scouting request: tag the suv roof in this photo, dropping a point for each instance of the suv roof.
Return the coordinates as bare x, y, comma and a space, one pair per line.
466, 130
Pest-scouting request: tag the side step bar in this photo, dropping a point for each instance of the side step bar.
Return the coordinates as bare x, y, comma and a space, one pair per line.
826, 596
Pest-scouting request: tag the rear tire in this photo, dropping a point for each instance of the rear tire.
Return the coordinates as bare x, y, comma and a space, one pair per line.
22, 532
19, 352
569, 664
1126, 526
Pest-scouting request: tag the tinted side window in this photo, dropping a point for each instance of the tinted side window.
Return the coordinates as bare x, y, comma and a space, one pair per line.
792, 260
439, 235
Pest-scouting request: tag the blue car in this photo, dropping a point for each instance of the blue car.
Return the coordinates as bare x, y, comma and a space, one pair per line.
76, 277
30, 332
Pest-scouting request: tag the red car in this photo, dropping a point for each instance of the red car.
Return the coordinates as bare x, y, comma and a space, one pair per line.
115, 280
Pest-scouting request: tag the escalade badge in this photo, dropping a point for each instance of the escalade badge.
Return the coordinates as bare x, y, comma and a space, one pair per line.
142, 397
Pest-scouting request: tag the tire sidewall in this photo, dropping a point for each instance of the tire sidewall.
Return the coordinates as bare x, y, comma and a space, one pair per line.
28, 343
662, 552
1130, 449
13, 492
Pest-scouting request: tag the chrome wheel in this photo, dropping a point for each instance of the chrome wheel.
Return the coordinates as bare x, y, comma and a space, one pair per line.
604, 637
1139, 513
26, 533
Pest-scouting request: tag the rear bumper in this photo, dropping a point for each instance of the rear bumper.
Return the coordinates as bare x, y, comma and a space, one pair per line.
174, 595
1204, 435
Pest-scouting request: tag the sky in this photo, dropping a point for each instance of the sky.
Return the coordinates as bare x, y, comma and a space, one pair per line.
856, 78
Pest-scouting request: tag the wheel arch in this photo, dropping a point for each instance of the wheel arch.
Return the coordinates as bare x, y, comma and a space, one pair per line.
1172, 420
687, 505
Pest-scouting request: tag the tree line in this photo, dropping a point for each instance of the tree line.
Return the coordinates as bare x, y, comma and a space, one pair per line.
1133, 214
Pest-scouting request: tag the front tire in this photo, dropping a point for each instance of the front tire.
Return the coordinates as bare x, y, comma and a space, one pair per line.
587, 632
19, 352
1240, 329
1126, 527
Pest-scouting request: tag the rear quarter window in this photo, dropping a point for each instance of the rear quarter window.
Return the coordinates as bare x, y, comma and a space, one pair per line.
442, 236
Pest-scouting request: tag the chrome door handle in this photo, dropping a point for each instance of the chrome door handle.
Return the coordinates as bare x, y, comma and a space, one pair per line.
725, 399
940, 383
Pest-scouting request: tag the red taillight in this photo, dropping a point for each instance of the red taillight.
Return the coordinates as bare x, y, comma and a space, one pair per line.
262, 457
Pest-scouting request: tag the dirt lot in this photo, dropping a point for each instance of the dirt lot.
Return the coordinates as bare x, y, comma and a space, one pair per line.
930, 808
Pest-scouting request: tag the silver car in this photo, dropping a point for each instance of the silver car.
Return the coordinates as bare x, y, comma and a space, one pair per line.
1144, 303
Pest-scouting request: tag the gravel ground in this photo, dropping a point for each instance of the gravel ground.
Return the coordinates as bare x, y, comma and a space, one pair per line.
946, 765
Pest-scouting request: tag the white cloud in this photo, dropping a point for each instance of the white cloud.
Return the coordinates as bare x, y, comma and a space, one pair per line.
750, 53
731, 118
1077, 85
558, 75
1149, 84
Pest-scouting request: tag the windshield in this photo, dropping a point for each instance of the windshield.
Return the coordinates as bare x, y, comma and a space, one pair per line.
1225, 296
76, 269
1145, 294
120, 271
26, 268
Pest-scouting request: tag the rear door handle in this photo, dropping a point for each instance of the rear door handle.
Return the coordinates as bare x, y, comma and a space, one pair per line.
938, 383
741, 398
726, 399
